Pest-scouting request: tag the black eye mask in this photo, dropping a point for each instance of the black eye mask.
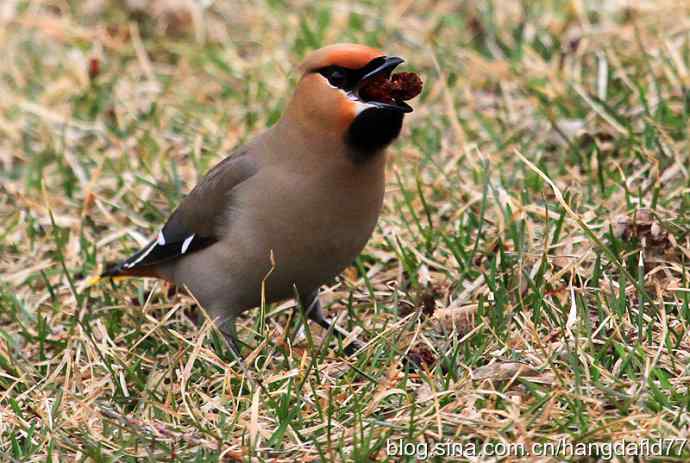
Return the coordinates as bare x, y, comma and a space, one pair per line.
346, 78
340, 77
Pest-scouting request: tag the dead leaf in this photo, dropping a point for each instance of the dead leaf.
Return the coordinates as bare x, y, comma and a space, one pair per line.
459, 319
503, 371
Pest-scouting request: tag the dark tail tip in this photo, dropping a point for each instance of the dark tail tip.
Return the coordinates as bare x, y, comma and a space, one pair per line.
119, 270
112, 270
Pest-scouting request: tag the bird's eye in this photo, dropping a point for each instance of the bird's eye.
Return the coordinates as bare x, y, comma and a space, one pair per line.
337, 78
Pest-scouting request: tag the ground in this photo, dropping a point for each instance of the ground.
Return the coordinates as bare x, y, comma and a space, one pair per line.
531, 255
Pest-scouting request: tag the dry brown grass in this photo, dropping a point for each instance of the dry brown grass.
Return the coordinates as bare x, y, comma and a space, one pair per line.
532, 251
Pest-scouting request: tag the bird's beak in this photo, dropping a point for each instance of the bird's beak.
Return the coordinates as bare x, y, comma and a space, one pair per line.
380, 65
383, 65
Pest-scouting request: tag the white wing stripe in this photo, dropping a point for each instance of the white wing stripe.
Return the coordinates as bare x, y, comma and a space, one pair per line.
141, 257
159, 242
186, 243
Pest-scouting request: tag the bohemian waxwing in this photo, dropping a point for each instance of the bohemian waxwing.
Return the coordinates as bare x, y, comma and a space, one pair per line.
293, 207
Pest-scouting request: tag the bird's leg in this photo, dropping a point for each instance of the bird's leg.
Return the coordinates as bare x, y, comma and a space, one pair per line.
315, 314
229, 331
225, 325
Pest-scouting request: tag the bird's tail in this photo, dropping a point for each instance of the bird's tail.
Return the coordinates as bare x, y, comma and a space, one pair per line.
119, 270
112, 271
132, 266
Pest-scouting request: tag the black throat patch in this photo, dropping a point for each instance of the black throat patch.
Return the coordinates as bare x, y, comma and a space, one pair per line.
371, 131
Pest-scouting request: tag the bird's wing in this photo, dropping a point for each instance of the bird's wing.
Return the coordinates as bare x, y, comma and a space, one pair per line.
198, 220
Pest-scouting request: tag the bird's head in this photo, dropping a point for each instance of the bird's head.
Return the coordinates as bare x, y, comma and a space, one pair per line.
327, 98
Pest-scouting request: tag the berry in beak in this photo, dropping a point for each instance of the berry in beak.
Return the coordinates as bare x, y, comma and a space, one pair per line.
380, 88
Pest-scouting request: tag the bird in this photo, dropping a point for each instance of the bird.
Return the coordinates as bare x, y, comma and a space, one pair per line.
292, 208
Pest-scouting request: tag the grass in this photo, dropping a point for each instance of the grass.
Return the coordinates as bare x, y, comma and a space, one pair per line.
532, 252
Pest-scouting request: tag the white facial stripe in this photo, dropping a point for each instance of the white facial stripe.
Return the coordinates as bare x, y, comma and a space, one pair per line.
329, 83
361, 106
